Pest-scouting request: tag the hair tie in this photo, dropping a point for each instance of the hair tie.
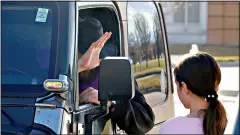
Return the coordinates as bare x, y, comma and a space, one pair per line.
211, 96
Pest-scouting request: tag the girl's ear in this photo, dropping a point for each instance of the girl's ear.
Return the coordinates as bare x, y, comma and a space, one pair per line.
178, 84
184, 88
216, 86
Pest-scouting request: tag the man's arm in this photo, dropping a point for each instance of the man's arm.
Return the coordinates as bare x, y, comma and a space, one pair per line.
134, 116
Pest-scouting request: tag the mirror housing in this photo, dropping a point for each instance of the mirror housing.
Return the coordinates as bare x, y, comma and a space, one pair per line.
116, 80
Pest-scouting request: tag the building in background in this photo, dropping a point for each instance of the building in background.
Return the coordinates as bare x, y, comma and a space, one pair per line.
202, 23
223, 23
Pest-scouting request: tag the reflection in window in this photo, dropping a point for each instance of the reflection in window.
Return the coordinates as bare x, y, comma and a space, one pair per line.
147, 51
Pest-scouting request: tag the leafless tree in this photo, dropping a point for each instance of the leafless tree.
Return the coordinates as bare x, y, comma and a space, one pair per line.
143, 33
157, 36
133, 51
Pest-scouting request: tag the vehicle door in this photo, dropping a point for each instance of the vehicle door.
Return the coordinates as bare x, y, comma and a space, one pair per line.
148, 47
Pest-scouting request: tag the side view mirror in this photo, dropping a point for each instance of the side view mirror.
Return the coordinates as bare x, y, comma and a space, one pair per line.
116, 81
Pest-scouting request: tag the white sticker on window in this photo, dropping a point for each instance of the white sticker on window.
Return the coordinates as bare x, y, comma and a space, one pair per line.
41, 15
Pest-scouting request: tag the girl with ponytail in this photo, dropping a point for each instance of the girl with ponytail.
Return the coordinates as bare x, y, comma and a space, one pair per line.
197, 78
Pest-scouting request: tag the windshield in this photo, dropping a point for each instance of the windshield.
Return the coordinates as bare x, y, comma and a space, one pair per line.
26, 33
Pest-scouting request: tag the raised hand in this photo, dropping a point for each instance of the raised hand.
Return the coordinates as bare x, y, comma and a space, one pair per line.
90, 59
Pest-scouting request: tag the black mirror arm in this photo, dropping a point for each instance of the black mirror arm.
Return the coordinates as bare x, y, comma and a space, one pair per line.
89, 118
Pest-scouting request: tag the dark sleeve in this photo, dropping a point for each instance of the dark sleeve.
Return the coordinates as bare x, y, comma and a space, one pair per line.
134, 116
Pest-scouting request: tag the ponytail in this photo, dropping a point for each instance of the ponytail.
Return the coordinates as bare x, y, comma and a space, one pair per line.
215, 119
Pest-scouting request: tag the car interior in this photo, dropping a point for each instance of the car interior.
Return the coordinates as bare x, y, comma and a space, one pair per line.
108, 20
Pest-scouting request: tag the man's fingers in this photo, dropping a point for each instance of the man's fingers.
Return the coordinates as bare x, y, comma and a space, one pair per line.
101, 41
81, 99
101, 38
86, 91
104, 40
96, 43
89, 96
85, 95
93, 99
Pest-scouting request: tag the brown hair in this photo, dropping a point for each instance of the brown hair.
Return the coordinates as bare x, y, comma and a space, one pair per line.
202, 75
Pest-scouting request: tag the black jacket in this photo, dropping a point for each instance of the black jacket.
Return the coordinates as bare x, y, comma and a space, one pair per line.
134, 116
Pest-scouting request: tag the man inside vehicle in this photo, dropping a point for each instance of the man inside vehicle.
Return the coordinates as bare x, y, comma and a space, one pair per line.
134, 116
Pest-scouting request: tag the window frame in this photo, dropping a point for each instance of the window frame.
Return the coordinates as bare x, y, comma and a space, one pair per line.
164, 46
91, 5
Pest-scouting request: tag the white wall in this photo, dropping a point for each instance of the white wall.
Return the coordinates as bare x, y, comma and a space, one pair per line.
185, 32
